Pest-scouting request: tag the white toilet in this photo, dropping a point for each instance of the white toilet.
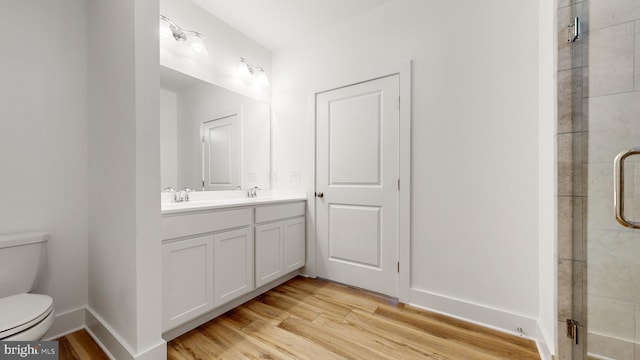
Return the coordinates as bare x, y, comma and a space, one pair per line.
23, 316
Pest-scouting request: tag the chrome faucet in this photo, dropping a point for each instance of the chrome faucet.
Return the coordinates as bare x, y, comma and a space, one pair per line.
172, 191
182, 195
252, 192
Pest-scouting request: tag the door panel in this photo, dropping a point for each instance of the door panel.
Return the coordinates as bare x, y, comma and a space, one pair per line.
358, 245
354, 140
357, 163
221, 153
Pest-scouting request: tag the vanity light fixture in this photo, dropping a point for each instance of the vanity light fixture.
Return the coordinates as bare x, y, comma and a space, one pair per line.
169, 30
253, 74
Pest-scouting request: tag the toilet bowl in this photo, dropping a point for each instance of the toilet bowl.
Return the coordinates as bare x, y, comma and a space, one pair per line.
23, 316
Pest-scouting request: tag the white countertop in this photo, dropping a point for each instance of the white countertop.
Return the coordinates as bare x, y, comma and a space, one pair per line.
210, 200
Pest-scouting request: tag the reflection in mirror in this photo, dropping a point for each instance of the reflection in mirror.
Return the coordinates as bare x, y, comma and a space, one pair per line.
211, 138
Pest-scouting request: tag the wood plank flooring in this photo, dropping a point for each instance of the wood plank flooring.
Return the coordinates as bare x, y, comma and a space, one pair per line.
79, 346
315, 319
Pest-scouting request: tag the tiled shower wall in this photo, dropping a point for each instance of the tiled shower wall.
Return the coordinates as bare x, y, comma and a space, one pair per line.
572, 138
598, 116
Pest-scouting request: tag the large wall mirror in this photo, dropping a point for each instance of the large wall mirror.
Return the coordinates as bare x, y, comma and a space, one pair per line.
212, 138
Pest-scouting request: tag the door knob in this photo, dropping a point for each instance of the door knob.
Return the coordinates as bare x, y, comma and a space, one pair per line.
319, 194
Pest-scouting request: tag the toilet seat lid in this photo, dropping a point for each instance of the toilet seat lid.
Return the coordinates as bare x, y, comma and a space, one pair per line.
22, 311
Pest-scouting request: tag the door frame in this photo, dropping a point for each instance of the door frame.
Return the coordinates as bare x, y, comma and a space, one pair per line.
220, 116
404, 70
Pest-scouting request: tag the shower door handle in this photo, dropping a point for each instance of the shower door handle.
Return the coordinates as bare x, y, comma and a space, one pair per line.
618, 188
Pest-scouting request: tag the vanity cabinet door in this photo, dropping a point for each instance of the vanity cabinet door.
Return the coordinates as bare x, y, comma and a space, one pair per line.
293, 244
280, 249
233, 264
187, 289
268, 252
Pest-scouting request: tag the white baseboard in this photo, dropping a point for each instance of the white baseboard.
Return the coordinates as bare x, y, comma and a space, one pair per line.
66, 323
542, 344
108, 340
475, 313
114, 346
111, 343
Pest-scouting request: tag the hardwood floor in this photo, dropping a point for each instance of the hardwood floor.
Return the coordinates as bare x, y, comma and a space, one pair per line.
315, 319
79, 346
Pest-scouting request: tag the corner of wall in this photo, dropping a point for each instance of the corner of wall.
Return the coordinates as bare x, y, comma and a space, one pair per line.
479, 314
66, 323
542, 342
116, 347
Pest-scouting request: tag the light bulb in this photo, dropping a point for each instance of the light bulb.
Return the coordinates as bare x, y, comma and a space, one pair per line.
197, 45
165, 31
261, 78
243, 71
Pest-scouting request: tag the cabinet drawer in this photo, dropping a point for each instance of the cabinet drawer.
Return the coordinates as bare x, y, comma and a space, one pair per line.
176, 226
277, 212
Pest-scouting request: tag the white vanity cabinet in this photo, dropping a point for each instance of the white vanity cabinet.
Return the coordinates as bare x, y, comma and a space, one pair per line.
187, 281
280, 240
207, 260
214, 259
233, 264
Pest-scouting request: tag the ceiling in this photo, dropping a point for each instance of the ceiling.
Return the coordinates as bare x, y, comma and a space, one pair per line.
278, 23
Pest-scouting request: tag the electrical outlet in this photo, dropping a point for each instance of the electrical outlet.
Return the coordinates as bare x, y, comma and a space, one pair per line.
295, 176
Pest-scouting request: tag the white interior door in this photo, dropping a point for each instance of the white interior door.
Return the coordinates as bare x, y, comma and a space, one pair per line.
357, 160
221, 153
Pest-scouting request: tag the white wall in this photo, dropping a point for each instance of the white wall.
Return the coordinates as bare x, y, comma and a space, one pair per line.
547, 94
168, 139
124, 177
225, 45
43, 142
474, 142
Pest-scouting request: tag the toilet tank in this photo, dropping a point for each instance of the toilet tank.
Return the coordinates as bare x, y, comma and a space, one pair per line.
21, 259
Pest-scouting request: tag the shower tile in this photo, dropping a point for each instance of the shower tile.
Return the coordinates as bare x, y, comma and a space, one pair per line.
636, 192
565, 289
637, 316
579, 292
600, 198
610, 347
571, 284
612, 318
611, 60
565, 101
567, 348
613, 125
565, 344
578, 89
585, 91
604, 13
613, 265
570, 228
571, 162
569, 54
637, 57
570, 100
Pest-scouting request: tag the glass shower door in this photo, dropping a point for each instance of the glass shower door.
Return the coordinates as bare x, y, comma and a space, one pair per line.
612, 97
